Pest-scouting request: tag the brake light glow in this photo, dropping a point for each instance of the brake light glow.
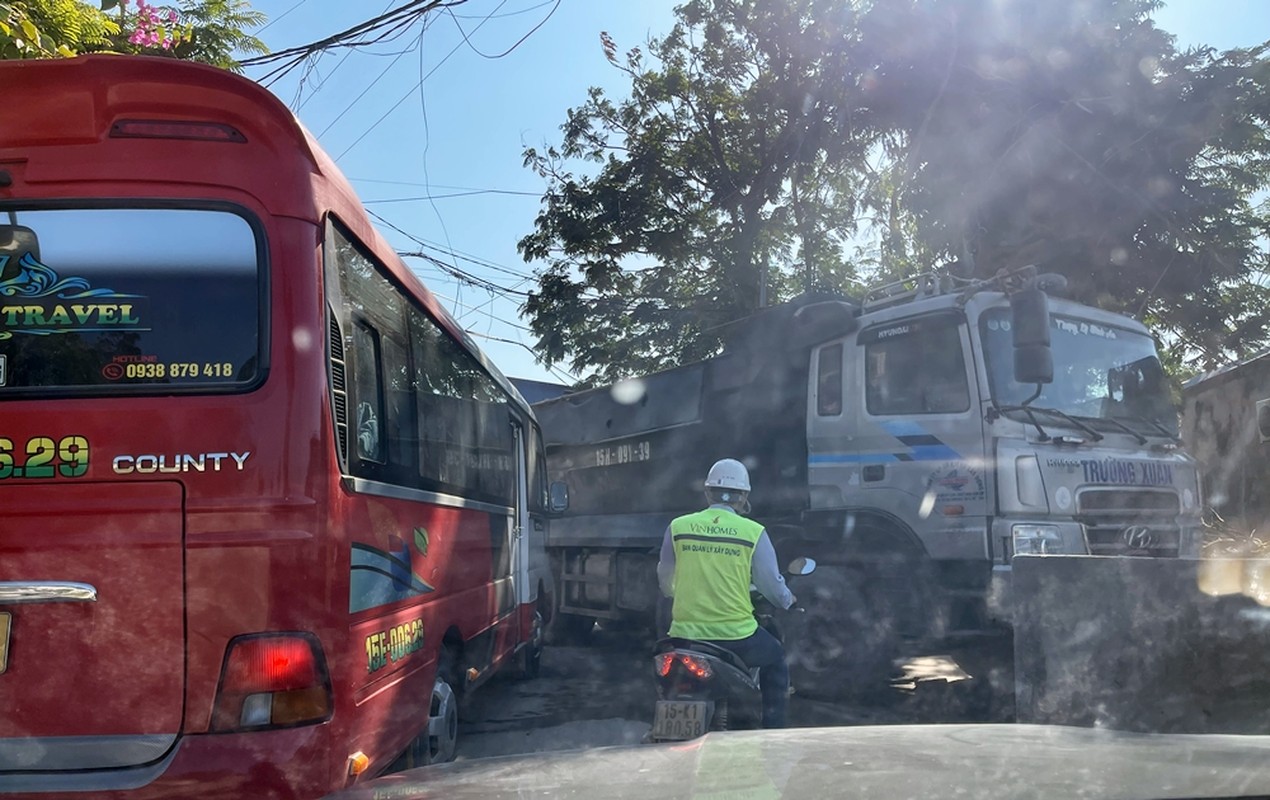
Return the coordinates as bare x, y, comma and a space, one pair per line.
176, 129
272, 680
697, 666
664, 662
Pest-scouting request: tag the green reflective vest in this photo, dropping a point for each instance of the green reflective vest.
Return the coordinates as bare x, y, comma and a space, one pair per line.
713, 551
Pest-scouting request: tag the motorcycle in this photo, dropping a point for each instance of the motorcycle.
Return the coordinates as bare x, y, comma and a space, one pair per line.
703, 687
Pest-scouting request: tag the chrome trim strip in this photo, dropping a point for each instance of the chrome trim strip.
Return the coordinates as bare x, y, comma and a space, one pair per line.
15, 592
405, 493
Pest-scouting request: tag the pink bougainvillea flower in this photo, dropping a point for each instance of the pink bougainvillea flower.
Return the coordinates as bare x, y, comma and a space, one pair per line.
171, 17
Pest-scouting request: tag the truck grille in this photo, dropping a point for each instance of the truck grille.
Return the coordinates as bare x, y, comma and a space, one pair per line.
1130, 522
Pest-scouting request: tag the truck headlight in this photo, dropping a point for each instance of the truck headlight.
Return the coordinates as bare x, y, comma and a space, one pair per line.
1036, 540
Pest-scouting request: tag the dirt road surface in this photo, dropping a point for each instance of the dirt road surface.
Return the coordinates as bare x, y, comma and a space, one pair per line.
602, 694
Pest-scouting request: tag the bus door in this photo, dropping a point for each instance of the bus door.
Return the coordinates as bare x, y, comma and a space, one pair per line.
520, 520
510, 579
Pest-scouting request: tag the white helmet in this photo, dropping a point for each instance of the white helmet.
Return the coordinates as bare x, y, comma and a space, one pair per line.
728, 474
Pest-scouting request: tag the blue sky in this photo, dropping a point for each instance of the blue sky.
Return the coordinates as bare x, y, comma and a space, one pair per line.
465, 126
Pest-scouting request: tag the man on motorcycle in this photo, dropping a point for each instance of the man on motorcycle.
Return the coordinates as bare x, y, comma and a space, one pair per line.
708, 562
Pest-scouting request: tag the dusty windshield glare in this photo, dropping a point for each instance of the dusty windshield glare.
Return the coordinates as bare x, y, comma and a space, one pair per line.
1101, 371
768, 398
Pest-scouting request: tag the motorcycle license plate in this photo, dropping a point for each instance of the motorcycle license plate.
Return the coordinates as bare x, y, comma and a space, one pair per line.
680, 719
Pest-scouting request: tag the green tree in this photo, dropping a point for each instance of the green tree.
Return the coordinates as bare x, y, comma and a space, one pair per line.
978, 134
218, 30
51, 28
210, 31
718, 185
1078, 138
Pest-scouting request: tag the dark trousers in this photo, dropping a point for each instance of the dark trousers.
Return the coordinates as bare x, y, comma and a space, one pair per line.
761, 649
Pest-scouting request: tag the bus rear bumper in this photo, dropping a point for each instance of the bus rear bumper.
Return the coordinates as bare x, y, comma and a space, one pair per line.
290, 764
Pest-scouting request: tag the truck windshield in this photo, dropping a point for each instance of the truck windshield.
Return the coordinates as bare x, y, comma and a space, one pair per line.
1101, 373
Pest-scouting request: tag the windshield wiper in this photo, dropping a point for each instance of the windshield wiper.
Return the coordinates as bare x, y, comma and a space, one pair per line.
1113, 421
1156, 424
1063, 415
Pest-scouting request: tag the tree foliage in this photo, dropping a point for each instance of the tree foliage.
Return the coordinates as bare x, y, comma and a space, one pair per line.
1076, 137
51, 28
210, 31
729, 151
893, 138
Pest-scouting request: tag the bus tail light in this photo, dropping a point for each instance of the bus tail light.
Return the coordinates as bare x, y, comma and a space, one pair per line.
272, 680
176, 129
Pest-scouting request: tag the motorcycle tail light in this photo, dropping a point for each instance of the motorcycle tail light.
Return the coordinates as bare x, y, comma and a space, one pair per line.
697, 666
664, 662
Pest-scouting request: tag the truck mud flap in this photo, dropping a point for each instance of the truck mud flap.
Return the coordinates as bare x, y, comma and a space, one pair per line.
1134, 644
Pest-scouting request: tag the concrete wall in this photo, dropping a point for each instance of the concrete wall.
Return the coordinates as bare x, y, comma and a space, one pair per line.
1219, 427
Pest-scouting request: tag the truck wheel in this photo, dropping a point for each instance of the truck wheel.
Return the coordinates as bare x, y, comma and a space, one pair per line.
571, 629
848, 640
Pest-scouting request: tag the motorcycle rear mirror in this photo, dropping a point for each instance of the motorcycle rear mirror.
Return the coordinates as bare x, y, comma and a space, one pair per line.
802, 566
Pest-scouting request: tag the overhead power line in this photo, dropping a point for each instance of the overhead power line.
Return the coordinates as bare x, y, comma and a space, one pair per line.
448, 195
572, 380
372, 31
465, 276
279, 18
458, 255
509, 50
515, 13
422, 80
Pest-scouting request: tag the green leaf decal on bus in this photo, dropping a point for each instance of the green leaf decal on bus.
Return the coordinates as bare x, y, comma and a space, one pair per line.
421, 540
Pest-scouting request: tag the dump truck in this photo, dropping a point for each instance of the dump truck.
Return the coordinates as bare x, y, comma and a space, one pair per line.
913, 443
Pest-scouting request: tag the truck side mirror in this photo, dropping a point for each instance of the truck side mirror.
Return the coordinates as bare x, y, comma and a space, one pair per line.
1030, 323
559, 500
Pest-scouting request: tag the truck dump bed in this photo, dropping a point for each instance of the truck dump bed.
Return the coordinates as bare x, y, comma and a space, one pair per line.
643, 447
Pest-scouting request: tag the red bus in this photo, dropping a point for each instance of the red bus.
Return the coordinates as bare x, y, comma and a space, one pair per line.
266, 511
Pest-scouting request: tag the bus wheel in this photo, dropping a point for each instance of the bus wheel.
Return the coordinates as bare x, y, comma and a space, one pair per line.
529, 659
443, 722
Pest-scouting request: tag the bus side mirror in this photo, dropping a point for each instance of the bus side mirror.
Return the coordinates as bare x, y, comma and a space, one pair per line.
1030, 323
559, 500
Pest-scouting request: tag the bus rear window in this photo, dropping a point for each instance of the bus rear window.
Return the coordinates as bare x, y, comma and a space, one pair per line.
127, 300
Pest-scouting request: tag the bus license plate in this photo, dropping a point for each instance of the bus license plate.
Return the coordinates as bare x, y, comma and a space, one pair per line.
680, 719
4, 639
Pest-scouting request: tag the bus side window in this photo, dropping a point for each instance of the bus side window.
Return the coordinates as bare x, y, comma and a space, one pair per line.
399, 406
369, 397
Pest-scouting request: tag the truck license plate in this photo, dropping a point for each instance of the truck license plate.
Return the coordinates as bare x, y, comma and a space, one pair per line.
4, 640
680, 719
